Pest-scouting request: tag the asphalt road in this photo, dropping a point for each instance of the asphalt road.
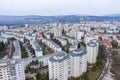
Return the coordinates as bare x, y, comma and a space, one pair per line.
105, 75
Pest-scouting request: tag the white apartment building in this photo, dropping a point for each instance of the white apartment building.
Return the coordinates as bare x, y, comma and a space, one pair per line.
7, 35
58, 66
89, 38
44, 59
37, 48
79, 35
17, 36
109, 31
96, 41
78, 62
74, 46
63, 66
73, 42
52, 45
3, 39
11, 70
57, 31
72, 33
91, 52
70, 40
62, 41
47, 35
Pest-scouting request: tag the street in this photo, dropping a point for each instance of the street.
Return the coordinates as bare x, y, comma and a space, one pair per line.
106, 74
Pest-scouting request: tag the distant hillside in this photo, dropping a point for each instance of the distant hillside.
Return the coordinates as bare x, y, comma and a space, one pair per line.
34, 19
113, 15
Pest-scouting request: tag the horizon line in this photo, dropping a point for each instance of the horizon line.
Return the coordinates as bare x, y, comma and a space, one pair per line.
61, 15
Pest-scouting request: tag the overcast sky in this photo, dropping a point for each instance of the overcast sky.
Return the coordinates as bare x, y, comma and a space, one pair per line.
59, 7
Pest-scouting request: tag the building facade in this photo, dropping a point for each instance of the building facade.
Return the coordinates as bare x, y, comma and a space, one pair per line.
11, 70
37, 48
58, 66
91, 52
63, 66
78, 62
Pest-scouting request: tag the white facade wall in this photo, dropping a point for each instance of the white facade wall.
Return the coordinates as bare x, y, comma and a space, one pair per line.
78, 62
57, 32
79, 35
43, 59
37, 48
7, 35
58, 67
91, 52
38, 53
78, 65
96, 41
20, 74
52, 45
12, 70
73, 66
58, 71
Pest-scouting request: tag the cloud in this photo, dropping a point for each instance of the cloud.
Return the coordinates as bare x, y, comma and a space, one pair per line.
59, 7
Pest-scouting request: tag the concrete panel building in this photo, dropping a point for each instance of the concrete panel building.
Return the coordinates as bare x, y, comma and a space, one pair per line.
11, 70
58, 66
91, 52
78, 62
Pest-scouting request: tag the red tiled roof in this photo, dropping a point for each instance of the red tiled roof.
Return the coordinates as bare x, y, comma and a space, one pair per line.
118, 37
106, 42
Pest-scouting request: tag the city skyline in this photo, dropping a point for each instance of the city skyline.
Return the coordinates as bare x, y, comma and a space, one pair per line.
59, 7
59, 39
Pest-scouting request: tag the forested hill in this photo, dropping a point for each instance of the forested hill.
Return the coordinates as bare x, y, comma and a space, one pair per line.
33, 19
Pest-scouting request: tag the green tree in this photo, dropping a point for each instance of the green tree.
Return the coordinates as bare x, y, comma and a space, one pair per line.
38, 76
41, 63
31, 78
79, 45
51, 36
85, 76
37, 62
101, 52
63, 32
45, 77
100, 38
114, 44
2, 46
